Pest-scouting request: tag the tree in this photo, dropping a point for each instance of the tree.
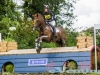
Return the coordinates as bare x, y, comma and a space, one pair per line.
24, 34
9, 16
90, 32
63, 10
64, 18
71, 35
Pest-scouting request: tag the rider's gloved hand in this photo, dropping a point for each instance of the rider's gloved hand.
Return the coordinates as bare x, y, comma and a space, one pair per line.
47, 20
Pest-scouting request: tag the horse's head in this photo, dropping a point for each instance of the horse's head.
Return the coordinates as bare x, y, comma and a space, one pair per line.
37, 21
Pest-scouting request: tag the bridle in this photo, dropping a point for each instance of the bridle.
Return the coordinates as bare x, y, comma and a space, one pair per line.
38, 26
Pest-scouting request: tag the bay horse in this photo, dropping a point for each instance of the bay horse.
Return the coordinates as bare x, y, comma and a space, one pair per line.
46, 33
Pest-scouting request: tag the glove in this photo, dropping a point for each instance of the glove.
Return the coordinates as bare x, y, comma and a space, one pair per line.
49, 20
46, 22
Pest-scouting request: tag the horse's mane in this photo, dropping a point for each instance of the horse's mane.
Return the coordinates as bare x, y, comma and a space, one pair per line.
39, 14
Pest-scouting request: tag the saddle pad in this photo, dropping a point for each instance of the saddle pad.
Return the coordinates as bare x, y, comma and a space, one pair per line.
57, 30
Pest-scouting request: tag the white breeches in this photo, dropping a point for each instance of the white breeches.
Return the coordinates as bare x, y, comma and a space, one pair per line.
52, 23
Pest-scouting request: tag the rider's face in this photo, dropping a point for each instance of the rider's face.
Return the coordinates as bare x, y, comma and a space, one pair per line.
46, 10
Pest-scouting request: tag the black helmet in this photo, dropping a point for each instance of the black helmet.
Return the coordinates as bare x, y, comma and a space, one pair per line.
46, 6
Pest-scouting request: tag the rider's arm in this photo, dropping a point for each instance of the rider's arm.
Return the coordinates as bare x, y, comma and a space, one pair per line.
52, 16
43, 15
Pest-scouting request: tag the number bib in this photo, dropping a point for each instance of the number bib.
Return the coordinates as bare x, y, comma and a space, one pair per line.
47, 16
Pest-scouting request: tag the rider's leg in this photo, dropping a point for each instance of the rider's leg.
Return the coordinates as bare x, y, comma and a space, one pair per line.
52, 23
54, 29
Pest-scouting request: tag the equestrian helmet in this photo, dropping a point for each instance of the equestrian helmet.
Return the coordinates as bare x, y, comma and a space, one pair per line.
46, 6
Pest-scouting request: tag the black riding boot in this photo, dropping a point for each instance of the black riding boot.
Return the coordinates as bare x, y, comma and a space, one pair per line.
54, 30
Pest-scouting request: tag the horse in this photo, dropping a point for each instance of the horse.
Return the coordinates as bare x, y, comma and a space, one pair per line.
46, 33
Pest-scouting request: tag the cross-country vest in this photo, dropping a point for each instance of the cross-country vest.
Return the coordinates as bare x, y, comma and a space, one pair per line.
48, 16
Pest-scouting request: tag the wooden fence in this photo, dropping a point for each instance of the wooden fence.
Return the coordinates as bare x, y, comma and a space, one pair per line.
7, 46
84, 41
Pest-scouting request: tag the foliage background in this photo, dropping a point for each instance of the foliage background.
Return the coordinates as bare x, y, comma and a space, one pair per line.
13, 15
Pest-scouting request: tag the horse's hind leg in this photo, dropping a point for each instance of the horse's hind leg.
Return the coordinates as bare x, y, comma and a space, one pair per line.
63, 43
58, 43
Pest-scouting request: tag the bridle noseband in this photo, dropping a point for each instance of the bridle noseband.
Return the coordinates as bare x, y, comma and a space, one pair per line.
38, 26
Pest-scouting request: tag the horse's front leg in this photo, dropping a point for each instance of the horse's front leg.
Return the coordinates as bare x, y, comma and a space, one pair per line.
37, 44
40, 42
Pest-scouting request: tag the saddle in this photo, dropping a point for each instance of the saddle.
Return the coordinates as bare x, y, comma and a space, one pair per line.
52, 27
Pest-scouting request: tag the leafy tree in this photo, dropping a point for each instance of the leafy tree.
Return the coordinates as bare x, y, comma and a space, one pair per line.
71, 36
64, 18
24, 34
90, 32
57, 6
9, 16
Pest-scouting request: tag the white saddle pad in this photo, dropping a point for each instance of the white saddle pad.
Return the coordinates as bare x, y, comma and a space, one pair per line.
57, 30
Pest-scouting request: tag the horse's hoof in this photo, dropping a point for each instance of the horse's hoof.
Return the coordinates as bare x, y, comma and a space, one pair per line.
38, 51
40, 48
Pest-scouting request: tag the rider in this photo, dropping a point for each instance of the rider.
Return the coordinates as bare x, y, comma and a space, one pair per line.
49, 18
